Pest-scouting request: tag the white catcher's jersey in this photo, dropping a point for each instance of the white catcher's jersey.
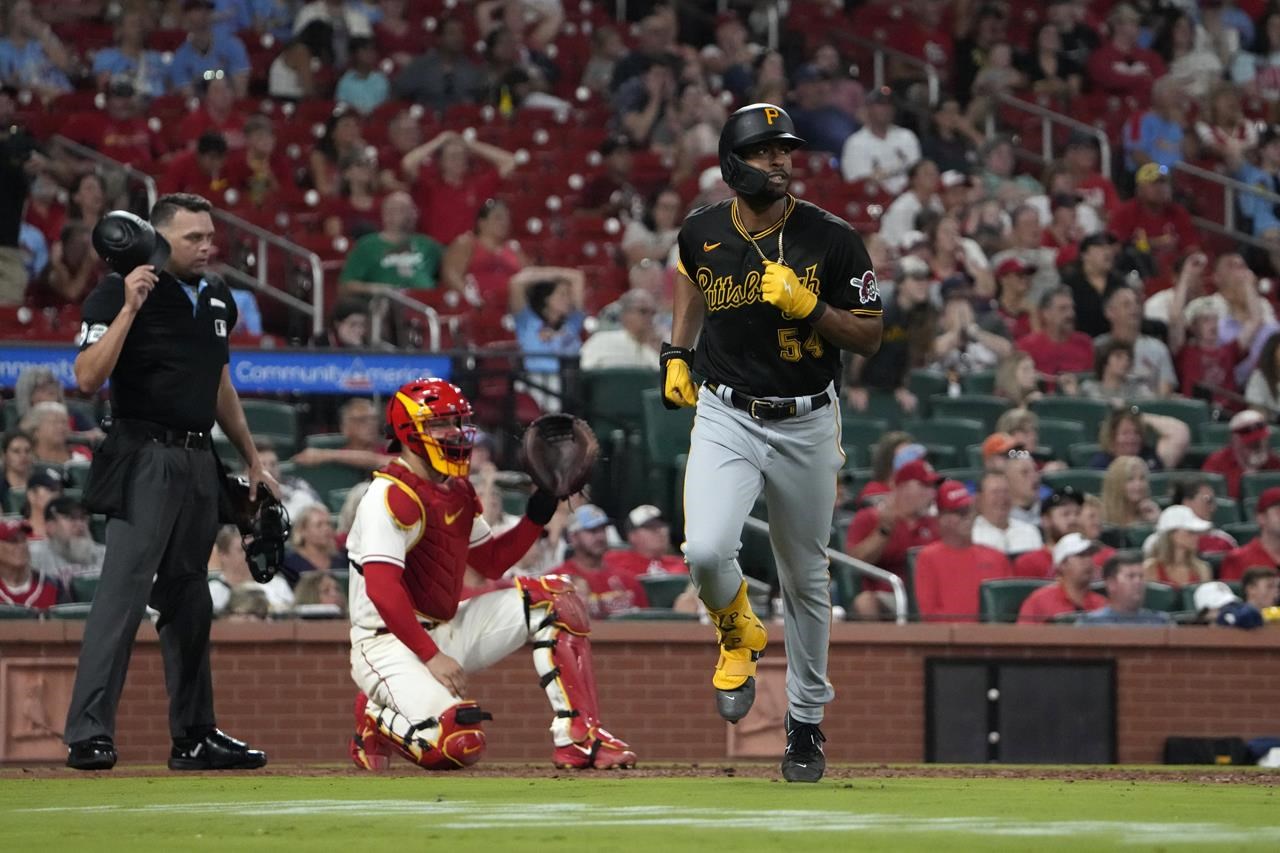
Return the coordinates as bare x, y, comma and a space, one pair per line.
377, 536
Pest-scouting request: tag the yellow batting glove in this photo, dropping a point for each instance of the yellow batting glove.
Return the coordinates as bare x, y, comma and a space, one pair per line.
678, 389
780, 288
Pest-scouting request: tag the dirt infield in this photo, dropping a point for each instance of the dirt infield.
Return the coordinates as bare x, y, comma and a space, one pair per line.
1196, 775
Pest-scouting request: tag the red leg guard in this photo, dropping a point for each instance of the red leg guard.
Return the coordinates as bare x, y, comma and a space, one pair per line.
453, 741
369, 750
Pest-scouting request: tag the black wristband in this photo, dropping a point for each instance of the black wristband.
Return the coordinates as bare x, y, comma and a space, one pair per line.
541, 506
670, 351
819, 308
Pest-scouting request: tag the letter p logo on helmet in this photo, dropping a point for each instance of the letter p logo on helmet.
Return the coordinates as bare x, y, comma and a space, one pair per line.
770, 114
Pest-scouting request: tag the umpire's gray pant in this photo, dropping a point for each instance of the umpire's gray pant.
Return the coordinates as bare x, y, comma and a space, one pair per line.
159, 552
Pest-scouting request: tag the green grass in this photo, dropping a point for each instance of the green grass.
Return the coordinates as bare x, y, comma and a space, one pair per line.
614, 813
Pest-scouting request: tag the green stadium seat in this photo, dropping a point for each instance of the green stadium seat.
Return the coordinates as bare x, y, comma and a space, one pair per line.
984, 408
1160, 596
1059, 435
326, 441
980, 382
1088, 413
883, 405
926, 384
76, 474
98, 528
1226, 511
1079, 455
1082, 480
273, 419
955, 433
663, 590
1252, 485
1243, 532
330, 476
855, 455
1136, 534
856, 427
1195, 455
1000, 600
1194, 413
1214, 560
84, 588
653, 614
9, 416
945, 456
14, 611
13, 501
1189, 594
73, 612
965, 475
666, 437
1216, 433
612, 398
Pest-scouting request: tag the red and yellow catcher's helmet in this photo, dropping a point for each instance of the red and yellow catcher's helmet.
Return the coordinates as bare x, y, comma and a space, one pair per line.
432, 419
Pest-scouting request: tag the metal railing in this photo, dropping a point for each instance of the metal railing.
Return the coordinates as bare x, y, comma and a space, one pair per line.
264, 242
1049, 118
138, 178
378, 309
879, 55
1230, 189
860, 567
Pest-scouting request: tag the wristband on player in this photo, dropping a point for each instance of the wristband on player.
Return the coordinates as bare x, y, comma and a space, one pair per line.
819, 308
670, 351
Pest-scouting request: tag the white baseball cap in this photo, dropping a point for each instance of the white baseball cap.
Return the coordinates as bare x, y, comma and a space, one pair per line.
1179, 517
644, 514
1213, 595
1071, 545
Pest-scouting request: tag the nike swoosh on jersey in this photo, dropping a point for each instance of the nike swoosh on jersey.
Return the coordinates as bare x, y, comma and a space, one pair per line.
450, 519
707, 247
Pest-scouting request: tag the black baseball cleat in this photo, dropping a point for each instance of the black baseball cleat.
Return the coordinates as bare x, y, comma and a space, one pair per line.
96, 753
733, 705
803, 761
215, 751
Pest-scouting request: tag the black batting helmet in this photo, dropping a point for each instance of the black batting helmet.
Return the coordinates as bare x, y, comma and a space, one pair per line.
126, 241
751, 125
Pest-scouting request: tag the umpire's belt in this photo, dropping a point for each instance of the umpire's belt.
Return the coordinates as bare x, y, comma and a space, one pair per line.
761, 409
161, 434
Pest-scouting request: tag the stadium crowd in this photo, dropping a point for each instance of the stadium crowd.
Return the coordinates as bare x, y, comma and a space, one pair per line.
1093, 375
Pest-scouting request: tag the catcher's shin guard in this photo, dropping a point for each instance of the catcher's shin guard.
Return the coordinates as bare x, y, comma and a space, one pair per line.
558, 626
369, 750
742, 637
449, 742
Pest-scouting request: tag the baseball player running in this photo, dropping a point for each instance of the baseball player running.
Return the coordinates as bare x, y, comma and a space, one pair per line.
413, 644
777, 288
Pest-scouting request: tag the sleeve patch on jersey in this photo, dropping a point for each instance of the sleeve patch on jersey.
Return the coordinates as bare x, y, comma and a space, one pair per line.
90, 334
867, 286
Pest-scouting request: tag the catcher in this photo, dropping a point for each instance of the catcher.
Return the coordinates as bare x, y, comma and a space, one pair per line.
412, 643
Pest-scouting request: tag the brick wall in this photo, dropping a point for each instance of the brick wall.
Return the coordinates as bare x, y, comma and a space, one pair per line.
286, 687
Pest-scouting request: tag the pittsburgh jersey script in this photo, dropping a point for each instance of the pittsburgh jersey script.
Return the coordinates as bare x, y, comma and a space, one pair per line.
748, 344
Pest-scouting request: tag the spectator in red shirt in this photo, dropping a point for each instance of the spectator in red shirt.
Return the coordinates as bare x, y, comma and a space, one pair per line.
1012, 302
1248, 451
1058, 348
611, 590
649, 535
1063, 233
217, 113
450, 186
395, 37
19, 585
1081, 158
118, 132
1153, 222
1070, 594
403, 135
1200, 355
1059, 515
198, 171
949, 571
1263, 549
357, 210
1121, 67
884, 464
258, 172
1173, 560
612, 193
882, 535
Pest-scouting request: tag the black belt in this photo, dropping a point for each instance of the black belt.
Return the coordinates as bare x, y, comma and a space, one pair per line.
164, 435
761, 409
426, 626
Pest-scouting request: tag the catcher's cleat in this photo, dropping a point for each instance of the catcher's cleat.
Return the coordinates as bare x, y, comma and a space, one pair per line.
369, 750
600, 750
803, 761
742, 639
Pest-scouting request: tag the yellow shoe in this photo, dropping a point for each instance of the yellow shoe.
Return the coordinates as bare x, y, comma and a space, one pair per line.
742, 637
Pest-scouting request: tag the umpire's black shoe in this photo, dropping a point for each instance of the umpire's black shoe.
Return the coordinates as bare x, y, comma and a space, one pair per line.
96, 753
803, 761
215, 751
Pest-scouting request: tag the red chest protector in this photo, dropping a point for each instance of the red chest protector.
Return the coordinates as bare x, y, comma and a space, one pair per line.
436, 562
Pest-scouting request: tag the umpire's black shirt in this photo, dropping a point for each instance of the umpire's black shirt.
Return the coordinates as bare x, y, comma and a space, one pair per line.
171, 362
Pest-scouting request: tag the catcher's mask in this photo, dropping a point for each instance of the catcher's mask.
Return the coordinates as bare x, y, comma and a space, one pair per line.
432, 420
264, 527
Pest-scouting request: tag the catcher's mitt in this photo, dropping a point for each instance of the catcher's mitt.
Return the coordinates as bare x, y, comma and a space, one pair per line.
263, 524
559, 452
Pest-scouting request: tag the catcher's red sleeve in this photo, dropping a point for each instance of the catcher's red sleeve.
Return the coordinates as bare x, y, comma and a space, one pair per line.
499, 553
384, 584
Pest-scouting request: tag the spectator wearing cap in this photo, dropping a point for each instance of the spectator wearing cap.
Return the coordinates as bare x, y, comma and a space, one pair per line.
129, 59
921, 194
997, 450
1024, 485
1126, 584
199, 171
17, 460
44, 484
881, 151
907, 342
444, 75
951, 140
822, 125
68, 550
1092, 278
452, 178
949, 571
891, 451
20, 585
117, 131
1173, 560
1156, 136
363, 86
995, 527
1059, 515
1216, 604
964, 342
1266, 176
1013, 289
1153, 222
649, 545
259, 172
611, 591
634, 345
31, 56
1196, 493
217, 113
1247, 451
1058, 348
1070, 593
207, 52
883, 535
1121, 66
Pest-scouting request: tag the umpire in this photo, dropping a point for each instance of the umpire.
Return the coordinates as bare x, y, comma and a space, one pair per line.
158, 328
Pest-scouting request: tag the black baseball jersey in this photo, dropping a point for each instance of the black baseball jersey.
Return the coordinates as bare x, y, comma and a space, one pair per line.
171, 363
747, 343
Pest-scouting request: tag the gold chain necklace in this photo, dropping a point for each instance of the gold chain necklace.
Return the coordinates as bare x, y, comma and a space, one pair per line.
782, 227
